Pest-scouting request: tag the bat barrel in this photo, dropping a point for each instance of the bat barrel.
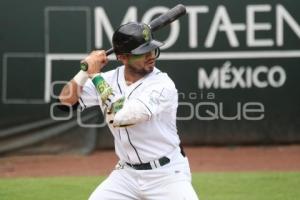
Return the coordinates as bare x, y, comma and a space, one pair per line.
167, 17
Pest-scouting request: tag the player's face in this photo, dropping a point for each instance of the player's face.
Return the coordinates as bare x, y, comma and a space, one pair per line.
141, 64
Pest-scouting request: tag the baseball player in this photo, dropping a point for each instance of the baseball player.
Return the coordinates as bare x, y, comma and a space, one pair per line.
140, 104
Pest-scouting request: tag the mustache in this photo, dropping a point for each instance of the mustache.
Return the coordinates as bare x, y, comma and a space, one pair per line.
150, 60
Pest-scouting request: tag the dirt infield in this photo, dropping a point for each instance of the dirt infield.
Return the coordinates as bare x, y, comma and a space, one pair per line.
202, 159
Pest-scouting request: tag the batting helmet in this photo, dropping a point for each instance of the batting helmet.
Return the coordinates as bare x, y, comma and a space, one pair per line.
134, 38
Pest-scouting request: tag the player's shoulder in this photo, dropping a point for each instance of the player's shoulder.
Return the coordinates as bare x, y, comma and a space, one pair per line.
110, 75
160, 78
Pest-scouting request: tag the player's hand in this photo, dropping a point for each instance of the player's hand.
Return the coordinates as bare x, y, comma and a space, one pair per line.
96, 60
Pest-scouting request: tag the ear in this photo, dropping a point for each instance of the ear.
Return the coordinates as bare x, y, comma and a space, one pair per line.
123, 58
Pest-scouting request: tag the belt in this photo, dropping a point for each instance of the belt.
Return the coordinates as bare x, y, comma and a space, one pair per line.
150, 165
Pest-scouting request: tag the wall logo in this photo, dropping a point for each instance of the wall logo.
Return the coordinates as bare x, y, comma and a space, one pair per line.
229, 76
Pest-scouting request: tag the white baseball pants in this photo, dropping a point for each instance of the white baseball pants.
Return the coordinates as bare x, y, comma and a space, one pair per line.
169, 182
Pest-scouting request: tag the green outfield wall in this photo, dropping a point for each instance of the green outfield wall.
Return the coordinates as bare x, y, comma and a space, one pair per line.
236, 65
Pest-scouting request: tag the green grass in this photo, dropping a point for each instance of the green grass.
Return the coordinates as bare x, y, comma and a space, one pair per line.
247, 186
209, 186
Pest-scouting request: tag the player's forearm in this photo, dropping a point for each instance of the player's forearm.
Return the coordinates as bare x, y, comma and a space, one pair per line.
70, 93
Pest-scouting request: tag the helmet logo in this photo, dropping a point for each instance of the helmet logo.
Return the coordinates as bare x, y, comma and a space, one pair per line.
146, 33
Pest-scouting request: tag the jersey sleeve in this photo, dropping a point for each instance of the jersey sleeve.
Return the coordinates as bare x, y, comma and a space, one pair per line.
89, 96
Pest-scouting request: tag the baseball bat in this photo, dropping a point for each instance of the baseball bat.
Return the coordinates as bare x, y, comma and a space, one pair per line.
161, 21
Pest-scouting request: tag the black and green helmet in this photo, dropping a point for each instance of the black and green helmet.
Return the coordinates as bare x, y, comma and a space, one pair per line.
134, 38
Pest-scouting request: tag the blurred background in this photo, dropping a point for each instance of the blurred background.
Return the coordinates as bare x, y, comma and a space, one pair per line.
235, 65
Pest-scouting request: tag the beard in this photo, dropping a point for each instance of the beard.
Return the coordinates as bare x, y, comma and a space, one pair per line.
140, 71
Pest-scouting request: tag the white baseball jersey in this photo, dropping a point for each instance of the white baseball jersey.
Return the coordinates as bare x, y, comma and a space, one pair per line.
150, 139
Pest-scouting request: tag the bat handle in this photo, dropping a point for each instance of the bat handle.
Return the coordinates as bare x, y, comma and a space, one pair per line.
84, 65
109, 51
